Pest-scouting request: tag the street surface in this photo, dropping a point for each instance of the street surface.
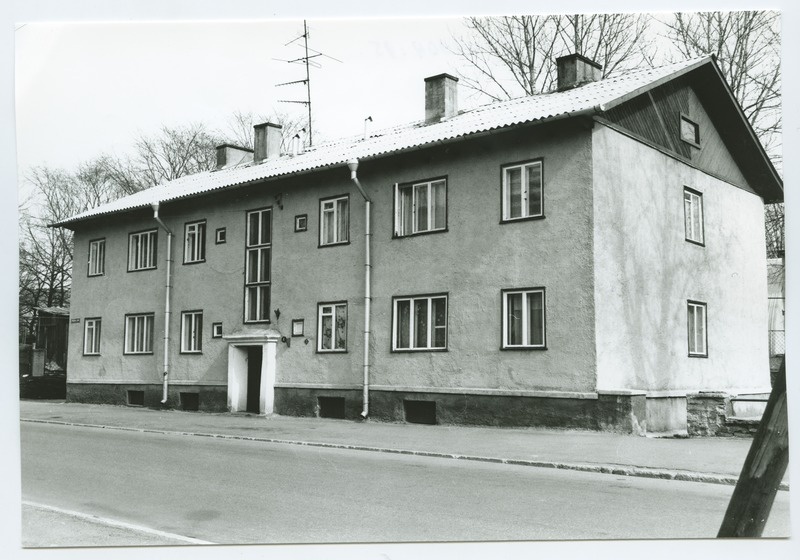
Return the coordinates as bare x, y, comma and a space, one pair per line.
232, 491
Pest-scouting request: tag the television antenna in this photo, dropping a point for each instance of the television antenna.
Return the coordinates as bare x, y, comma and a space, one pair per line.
307, 60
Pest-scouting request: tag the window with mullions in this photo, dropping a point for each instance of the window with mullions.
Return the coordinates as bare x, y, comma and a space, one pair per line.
91, 337
257, 266
139, 334
523, 318
191, 332
693, 216
97, 257
142, 250
334, 220
420, 207
696, 319
332, 327
419, 323
194, 242
522, 191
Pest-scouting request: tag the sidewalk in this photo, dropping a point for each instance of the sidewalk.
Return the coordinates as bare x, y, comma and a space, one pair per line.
716, 460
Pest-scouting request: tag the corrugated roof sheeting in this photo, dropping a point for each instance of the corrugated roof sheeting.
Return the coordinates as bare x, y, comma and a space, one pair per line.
478, 120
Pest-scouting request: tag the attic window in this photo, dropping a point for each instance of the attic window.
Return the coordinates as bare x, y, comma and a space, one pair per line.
690, 131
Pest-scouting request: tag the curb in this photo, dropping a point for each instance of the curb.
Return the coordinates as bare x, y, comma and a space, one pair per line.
624, 470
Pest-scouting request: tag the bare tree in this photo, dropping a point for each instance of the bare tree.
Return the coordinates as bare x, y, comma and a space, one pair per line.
511, 56
240, 128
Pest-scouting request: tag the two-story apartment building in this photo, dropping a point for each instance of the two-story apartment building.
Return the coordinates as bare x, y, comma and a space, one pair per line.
582, 258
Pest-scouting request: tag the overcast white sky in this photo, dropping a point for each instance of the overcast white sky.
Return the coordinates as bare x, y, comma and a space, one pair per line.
83, 89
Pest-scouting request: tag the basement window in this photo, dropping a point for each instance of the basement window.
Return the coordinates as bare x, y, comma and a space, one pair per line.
331, 407
420, 412
135, 398
190, 401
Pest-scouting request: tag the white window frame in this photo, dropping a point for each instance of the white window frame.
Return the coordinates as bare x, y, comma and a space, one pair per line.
140, 327
142, 258
333, 310
194, 242
192, 332
92, 328
524, 168
693, 219
330, 207
216, 330
258, 287
430, 337
97, 257
697, 327
401, 209
525, 292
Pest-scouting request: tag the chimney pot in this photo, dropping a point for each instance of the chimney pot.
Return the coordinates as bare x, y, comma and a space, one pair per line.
267, 141
441, 97
576, 70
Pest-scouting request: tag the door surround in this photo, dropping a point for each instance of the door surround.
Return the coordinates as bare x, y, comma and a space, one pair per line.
238, 343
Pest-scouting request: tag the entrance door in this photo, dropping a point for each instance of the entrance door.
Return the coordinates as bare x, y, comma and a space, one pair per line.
254, 356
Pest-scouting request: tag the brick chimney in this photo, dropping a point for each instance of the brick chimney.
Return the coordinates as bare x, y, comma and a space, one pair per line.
267, 141
229, 155
441, 99
575, 70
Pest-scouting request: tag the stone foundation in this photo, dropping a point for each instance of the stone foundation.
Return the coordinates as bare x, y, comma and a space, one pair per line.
618, 413
210, 398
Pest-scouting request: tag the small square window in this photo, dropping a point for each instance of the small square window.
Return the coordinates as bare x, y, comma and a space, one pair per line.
298, 327
696, 322
216, 330
301, 222
690, 131
220, 236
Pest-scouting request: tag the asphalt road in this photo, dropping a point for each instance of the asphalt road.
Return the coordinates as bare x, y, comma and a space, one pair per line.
233, 491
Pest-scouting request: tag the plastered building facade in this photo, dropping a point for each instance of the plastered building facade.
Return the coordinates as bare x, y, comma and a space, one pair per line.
587, 258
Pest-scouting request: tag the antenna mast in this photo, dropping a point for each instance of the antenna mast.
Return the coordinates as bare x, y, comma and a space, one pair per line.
306, 60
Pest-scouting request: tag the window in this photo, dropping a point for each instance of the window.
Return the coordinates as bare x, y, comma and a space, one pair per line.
420, 207
334, 217
142, 250
697, 329
690, 131
420, 323
139, 334
97, 257
91, 337
522, 191
693, 215
257, 266
301, 222
216, 330
524, 318
191, 332
220, 236
332, 327
194, 242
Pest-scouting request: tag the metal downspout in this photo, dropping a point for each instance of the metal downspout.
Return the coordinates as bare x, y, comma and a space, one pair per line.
167, 312
353, 165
